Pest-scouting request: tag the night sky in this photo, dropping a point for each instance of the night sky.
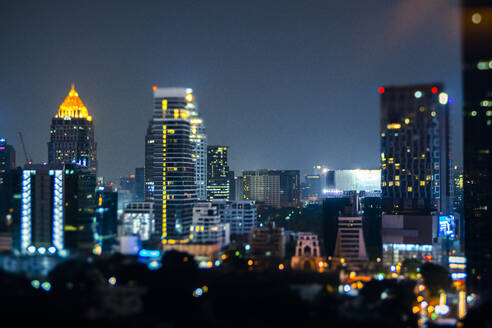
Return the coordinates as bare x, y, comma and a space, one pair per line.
285, 84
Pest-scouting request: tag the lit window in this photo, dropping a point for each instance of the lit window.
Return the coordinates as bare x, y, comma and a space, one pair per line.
409, 189
433, 114
476, 18
474, 113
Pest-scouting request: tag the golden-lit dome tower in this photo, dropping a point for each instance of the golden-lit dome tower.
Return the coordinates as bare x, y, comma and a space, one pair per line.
72, 134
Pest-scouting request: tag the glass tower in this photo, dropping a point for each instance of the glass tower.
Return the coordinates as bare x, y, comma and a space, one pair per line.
170, 170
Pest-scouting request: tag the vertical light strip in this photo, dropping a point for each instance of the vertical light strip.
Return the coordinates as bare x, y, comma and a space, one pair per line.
58, 228
26, 211
164, 193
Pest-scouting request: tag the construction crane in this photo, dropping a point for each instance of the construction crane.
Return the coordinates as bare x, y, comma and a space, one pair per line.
28, 159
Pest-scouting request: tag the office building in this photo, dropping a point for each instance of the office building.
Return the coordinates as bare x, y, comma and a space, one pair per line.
7, 165
72, 134
312, 187
207, 227
139, 193
106, 218
415, 157
350, 246
239, 188
290, 188
262, 187
268, 241
371, 224
169, 166
199, 142
407, 237
138, 219
217, 173
476, 20
57, 209
239, 215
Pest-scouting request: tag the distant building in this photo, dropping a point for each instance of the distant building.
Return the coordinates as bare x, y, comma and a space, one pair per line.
371, 224
307, 254
8, 185
312, 190
240, 215
139, 193
218, 176
268, 241
107, 218
207, 227
199, 142
239, 188
333, 208
272, 188
415, 149
350, 246
407, 237
138, 219
57, 209
72, 134
169, 166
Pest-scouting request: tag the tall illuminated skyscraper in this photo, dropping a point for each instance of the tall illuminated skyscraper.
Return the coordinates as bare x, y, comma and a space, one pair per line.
57, 209
169, 166
476, 24
217, 173
198, 139
72, 134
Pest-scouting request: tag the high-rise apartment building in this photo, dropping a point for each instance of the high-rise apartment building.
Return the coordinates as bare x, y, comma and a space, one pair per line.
169, 166
57, 209
7, 163
476, 24
72, 134
415, 157
217, 173
139, 192
273, 188
199, 142
138, 220
262, 187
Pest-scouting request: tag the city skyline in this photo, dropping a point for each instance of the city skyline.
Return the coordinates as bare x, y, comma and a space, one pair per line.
120, 99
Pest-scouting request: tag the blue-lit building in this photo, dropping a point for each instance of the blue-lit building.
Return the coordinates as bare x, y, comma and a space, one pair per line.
57, 209
107, 218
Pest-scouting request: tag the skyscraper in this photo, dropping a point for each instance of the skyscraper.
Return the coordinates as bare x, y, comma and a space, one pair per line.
199, 141
273, 188
414, 149
57, 208
217, 173
72, 134
139, 194
169, 166
476, 24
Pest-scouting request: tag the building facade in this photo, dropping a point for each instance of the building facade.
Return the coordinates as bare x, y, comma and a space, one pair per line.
199, 142
415, 157
107, 218
218, 184
138, 219
72, 134
207, 227
240, 215
58, 209
170, 169
476, 20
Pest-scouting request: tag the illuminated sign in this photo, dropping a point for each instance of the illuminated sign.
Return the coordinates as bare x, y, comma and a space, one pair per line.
447, 226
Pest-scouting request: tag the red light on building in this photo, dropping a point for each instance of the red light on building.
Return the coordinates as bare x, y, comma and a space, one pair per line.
434, 90
381, 89
154, 87
428, 257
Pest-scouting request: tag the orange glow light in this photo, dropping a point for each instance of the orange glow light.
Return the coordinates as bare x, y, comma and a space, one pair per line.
154, 87
189, 97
